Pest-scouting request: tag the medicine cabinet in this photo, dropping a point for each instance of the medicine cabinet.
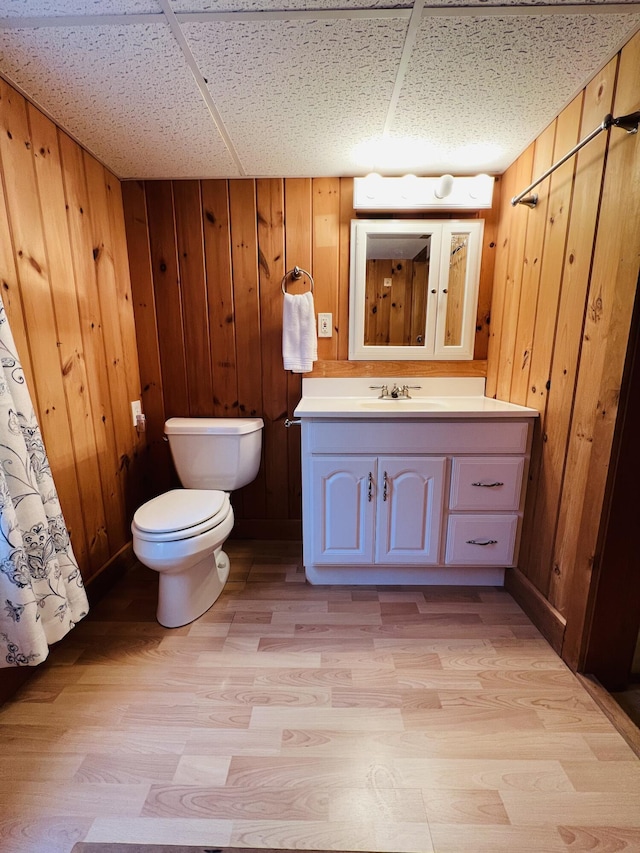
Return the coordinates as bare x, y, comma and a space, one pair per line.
414, 288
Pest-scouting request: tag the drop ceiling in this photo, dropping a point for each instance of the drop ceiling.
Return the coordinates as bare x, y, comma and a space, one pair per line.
231, 88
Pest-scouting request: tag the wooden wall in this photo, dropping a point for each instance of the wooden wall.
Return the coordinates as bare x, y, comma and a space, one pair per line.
565, 281
66, 289
207, 260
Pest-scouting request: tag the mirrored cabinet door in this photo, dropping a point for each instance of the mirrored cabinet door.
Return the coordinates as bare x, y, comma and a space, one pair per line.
461, 249
411, 285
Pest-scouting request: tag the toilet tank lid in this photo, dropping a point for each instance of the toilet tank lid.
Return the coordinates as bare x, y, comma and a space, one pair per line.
212, 426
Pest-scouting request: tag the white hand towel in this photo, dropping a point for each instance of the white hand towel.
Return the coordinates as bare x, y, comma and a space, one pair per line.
299, 338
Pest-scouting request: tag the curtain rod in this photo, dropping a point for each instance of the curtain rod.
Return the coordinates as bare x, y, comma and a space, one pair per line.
629, 123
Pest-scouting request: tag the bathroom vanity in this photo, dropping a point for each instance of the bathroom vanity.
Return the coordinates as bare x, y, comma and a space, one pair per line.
426, 487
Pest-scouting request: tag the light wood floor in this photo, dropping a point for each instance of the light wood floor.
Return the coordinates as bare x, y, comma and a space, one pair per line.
342, 718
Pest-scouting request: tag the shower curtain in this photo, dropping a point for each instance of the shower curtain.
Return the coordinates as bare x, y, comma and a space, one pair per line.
41, 591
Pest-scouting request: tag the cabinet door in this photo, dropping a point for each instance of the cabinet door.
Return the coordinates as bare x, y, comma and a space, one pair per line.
461, 249
343, 503
409, 509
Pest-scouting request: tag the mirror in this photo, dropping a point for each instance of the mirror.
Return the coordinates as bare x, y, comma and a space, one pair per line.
413, 288
397, 275
455, 298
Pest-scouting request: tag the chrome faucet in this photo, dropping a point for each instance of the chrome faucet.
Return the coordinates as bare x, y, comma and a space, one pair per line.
384, 391
396, 393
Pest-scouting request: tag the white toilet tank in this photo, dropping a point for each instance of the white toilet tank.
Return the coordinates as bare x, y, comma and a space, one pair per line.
215, 453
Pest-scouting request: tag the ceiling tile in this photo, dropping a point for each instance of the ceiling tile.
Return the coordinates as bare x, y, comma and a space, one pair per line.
297, 97
43, 8
289, 5
124, 92
474, 81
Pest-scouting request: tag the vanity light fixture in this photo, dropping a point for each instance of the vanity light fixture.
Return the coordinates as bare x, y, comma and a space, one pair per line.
413, 193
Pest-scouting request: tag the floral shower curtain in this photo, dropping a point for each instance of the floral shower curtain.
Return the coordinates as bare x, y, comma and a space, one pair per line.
41, 591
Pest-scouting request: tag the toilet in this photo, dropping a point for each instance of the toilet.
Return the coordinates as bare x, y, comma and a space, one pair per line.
180, 533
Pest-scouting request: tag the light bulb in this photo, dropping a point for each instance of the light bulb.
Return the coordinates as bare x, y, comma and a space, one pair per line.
444, 186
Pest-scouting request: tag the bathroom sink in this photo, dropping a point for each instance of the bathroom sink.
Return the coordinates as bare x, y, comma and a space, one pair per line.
419, 404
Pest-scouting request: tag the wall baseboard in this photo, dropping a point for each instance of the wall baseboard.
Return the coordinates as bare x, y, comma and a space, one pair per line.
542, 613
286, 529
112, 571
616, 715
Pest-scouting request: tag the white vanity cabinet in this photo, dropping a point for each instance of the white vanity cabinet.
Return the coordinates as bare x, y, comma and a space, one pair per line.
414, 500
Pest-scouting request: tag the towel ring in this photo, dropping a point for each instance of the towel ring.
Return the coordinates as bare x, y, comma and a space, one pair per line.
296, 273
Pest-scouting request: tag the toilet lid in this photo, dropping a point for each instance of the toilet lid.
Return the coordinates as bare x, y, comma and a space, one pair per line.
180, 510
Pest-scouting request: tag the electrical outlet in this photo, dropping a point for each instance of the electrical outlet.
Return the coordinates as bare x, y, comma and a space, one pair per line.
325, 322
136, 409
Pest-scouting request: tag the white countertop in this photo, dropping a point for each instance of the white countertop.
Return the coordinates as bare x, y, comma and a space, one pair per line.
435, 398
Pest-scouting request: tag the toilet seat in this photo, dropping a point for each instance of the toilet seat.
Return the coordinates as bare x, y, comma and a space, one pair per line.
181, 514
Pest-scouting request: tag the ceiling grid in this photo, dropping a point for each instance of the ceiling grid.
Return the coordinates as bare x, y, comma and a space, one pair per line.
228, 88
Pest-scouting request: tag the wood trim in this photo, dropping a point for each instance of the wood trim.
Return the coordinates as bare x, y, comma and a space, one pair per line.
398, 368
614, 713
273, 529
545, 617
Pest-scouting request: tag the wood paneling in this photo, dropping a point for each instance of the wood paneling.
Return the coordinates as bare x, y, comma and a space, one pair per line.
207, 261
66, 288
582, 302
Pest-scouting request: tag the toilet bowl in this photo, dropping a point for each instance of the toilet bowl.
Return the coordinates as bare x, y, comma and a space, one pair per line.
180, 533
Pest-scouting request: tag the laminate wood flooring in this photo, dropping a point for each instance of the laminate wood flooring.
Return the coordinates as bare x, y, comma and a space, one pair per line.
412, 720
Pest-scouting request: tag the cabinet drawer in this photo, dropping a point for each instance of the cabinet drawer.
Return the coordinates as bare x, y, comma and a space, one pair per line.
486, 483
420, 436
466, 535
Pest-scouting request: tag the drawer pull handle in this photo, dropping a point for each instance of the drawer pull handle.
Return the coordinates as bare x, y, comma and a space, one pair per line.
370, 487
488, 485
385, 487
482, 541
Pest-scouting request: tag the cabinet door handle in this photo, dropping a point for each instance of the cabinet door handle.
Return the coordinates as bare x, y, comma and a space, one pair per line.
370, 487
385, 487
482, 541
488, 485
